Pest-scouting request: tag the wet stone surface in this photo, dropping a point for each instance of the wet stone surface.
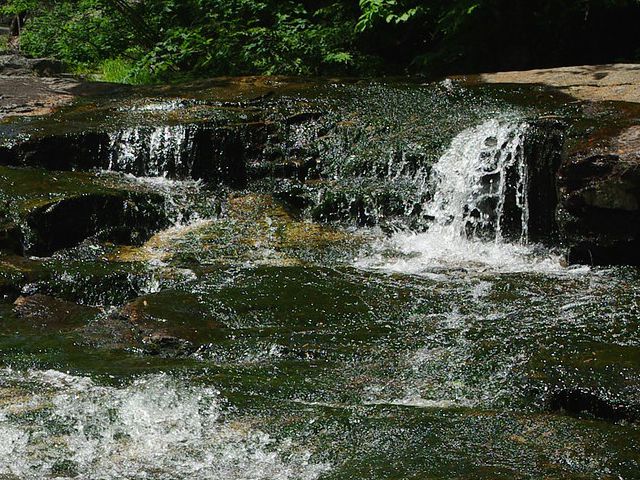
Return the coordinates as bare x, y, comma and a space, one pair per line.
267, 279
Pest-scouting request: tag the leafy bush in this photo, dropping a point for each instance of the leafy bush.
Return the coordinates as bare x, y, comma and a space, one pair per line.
79, 33
160, 40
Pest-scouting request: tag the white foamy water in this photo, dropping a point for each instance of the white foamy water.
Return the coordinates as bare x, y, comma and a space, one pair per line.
150, 151
472, 181
55, 425
435, 251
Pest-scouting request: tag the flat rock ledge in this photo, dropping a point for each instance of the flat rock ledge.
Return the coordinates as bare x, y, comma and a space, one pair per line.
616, 82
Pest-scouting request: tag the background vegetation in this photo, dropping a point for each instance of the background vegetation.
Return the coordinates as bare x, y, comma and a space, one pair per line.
142, 41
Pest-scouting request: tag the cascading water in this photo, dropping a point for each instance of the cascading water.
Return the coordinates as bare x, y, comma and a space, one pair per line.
236, 344
480, 201
472, 180
160, 159
159, 151
156, 428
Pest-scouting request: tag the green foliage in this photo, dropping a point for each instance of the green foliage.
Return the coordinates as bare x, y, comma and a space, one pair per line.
15, 7
241, 36
77, 32
391, 11
120, 70
145, 41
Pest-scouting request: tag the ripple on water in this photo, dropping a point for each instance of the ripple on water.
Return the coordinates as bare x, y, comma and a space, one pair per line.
157, 427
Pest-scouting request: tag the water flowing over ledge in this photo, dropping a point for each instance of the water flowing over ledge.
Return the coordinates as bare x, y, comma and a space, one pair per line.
479, 210
479, 356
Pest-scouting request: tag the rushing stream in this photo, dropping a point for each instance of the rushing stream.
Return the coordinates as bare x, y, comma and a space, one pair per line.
451, 346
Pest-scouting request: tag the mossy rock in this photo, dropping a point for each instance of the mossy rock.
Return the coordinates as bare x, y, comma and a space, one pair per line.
50, 211
253, 228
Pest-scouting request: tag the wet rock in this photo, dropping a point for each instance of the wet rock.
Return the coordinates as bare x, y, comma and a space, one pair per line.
584, 402
15, 273
222, 154
303, 117
208, 151
50, 313
362, 163
364, 203
10, 234
253, 228
599, 210
52, 211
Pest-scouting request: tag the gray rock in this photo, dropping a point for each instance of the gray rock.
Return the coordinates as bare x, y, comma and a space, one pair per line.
17, 65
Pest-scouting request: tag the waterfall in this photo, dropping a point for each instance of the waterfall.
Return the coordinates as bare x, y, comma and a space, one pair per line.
152, 151
479, 209
480, 183
161, 160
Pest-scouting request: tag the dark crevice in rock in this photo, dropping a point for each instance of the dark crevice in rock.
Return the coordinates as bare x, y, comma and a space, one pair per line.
543, 148
73, 151
581, 402
127, 219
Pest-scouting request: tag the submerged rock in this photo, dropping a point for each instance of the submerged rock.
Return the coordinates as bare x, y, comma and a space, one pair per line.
112, 331
50, 313
584, 402
170, 323
253, 228
594, 379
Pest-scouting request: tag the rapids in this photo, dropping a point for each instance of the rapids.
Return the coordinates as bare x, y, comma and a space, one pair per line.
248, 339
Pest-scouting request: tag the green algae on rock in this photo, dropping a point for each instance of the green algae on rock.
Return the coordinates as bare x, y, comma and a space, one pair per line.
433, 342
44, 211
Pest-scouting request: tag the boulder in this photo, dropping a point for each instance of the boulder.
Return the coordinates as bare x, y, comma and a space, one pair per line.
19, 66
599, 208
50, 313
14, 65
